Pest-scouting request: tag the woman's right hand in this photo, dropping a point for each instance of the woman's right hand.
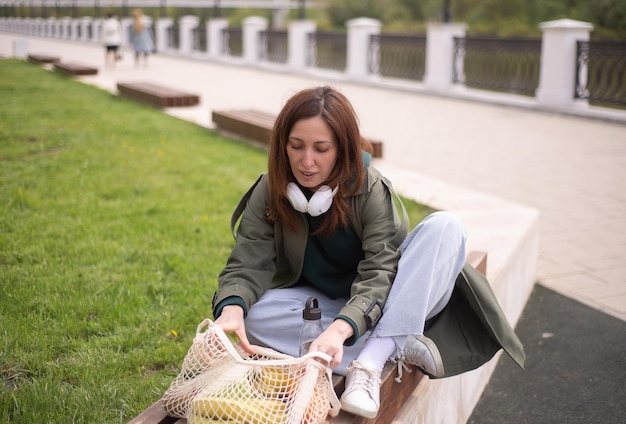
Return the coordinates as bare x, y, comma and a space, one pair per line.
231, 320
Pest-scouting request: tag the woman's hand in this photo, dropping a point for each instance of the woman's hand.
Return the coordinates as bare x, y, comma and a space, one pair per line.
231, 320
331, 341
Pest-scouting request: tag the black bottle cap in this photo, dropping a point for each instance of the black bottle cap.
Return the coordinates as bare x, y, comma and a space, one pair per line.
311, 309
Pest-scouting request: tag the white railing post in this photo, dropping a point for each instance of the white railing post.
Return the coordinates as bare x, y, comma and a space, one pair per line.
85, 23
358, 45
557, 71
37, 27
127, 27
215, 37
96, 30
74, 24
440, 54
297, 40
251, 30
66, 22
58, 28
186, 26
161, 33
50, 26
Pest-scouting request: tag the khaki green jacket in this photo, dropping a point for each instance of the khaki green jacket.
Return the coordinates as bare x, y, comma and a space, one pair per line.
468, 332
472, 327
267, 255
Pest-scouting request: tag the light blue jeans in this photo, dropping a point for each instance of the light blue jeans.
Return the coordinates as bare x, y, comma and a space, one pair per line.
433, 255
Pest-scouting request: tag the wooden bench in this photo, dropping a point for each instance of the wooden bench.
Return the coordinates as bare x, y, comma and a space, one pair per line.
75, 69
393, 395
157, 95
257, 125
43, 59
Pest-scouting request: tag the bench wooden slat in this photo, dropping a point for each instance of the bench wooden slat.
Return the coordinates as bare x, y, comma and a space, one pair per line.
75, 69
155, 414
251, 124
157, 95
257, 125
43, 59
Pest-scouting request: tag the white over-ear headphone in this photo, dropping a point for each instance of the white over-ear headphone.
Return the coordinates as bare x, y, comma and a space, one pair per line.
319, 203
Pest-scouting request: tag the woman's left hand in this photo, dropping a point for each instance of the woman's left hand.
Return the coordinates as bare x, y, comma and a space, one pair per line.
331, 341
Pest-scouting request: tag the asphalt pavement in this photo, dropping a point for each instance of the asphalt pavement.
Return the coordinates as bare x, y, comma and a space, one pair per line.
575, 368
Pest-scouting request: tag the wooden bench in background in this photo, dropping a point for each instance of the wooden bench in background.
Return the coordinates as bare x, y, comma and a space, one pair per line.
257, 125
157, 95
75, 69
43, 59
393, 395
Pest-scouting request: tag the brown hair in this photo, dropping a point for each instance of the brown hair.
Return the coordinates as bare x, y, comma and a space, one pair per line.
138, 24
347, 175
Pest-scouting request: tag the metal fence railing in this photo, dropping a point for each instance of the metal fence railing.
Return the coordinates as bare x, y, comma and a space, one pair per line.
398, 55
601, 72
232, 39
327, 50
173, 37
500, 64
509, 65
199, 40
274, 46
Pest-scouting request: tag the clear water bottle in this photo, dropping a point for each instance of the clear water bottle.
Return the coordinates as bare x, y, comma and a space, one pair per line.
312, 324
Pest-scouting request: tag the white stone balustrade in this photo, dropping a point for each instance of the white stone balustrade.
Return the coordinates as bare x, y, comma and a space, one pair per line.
65, 27
297, 40
74, 24
162, 25
85, 24
215, 40
127, 24
251, 31
440, 54
359, 32
186, 26
558, 76
96, 30
557, 71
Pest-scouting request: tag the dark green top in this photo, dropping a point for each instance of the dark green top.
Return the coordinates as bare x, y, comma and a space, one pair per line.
330, 262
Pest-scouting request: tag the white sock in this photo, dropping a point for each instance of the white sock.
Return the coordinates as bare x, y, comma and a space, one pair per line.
376, 352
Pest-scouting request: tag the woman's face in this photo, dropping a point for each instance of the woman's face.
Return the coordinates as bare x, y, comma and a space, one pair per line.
312, 151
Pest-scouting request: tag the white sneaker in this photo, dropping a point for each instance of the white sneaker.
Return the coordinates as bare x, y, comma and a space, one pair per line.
362, 394
423, 353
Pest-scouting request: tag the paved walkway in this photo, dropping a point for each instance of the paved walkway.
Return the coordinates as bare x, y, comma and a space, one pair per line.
572, 169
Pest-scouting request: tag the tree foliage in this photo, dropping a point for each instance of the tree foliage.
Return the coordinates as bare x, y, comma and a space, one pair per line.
492, 17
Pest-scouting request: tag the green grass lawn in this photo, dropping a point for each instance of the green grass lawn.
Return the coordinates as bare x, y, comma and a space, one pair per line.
114, 224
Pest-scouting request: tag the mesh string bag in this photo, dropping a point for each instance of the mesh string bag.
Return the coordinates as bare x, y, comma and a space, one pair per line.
220, 382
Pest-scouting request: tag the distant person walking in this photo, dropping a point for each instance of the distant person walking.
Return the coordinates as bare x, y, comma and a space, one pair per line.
141, 38
112, 39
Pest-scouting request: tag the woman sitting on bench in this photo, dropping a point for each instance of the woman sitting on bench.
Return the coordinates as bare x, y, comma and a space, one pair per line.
323, 222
